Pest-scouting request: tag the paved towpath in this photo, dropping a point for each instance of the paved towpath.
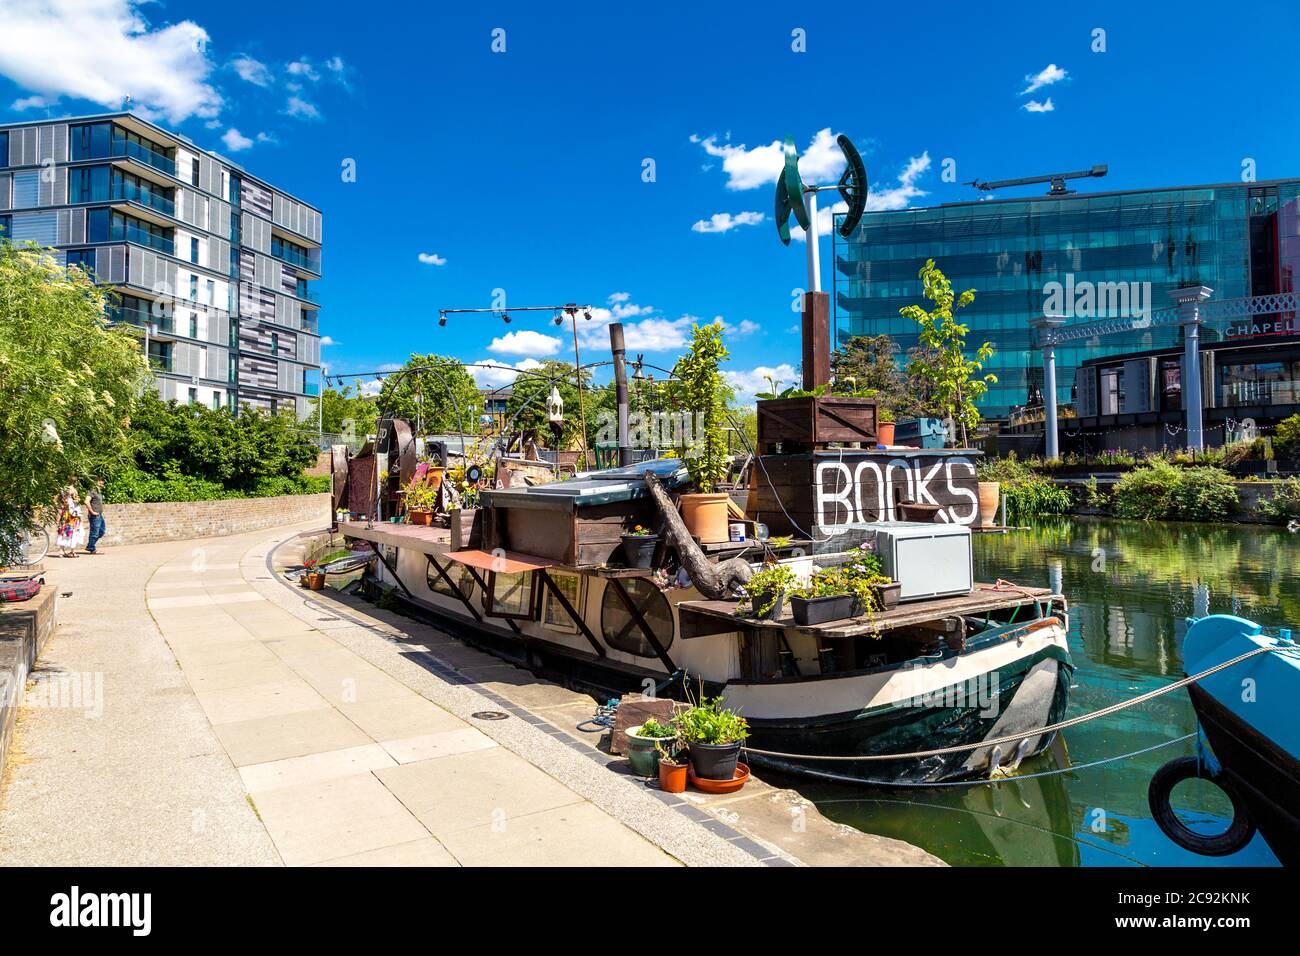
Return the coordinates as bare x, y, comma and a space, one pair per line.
232, 730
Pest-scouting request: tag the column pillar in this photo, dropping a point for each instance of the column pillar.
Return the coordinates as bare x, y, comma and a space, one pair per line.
1046, 326
1188, 302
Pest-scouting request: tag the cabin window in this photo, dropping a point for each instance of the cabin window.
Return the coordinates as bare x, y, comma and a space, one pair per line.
620, 628
457, 572
554, 616
510, 594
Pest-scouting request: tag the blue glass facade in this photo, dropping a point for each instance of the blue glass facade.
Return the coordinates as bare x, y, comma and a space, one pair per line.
1238, 239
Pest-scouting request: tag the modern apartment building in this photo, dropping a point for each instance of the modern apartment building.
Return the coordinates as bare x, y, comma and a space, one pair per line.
1240, 239
216, 266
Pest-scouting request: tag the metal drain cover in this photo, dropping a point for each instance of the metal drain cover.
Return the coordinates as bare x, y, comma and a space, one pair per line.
489, 715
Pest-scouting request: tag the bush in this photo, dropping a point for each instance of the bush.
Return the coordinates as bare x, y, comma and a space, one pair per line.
1288, 435
1161, 491
1027, 493
1285, 503
134, 486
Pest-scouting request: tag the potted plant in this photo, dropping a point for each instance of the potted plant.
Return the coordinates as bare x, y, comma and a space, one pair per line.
420, 498
706, 457
643, 746
713, 735
872, 589
885, 426
827, 596
672, 767
639, 546
313, 577
766, 591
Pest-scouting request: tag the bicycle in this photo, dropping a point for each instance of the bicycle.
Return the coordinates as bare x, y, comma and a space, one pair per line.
32, 546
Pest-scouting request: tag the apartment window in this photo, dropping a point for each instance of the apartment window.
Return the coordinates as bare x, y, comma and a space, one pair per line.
90, 141
301, 288
194, 170
231, 373
160, 356
194, 326
4, 225
194, 396
216, 401
84, 258
212, 292
88, 184
194, 288
275, 343
234, 335
194, 250
4, 149
235, 188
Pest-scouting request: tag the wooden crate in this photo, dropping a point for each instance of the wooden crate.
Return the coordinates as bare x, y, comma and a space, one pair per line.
815, 421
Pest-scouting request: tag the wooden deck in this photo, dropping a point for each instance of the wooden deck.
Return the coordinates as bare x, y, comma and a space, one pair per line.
424, 538
702, 618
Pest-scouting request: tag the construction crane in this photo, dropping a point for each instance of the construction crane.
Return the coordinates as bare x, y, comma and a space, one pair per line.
1056, 179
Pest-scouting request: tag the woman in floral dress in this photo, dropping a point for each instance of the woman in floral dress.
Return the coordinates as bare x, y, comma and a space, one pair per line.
69, 533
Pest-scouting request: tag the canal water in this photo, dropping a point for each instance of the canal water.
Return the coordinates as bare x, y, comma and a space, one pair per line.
1130, 586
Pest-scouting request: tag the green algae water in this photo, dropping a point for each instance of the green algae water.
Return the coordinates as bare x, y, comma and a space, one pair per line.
1131, 586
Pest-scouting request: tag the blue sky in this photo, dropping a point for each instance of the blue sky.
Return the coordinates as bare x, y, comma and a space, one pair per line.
522, 170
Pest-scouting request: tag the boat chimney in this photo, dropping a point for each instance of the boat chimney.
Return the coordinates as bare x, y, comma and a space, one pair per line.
620, 390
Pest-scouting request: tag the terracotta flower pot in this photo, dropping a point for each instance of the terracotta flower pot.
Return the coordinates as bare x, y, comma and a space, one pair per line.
990, 498
419, 516
672, 776
706, 517
885, 433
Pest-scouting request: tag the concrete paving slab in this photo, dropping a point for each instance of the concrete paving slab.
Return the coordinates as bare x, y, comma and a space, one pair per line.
426, 852
443, 744
321, 821
401, 717
474, 789
314, 768
242, 673
289, 735
575, 835
259, 700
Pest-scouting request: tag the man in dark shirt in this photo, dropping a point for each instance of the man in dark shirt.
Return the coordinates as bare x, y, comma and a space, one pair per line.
95, 506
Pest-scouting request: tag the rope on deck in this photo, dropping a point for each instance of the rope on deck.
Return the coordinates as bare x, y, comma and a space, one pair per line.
1050, 728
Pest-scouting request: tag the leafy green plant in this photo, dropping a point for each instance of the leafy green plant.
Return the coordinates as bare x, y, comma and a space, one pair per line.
1027, 493
954, 380
708, 722
639, 531
1284, 504
1159, 490
765, 586
703, 391
652, 728
419, 493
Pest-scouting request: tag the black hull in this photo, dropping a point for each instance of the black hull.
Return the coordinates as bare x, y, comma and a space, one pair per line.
1267, 777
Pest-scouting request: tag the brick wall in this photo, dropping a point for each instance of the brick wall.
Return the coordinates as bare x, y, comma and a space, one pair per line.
178, 520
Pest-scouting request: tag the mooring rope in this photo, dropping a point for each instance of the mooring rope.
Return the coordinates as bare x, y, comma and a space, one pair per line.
1050, 728
1010, 778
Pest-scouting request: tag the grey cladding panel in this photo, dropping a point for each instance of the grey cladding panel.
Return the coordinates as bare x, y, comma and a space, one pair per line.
52, 143
110, 263
6, 188
1085, 394
1138, 386
54, 186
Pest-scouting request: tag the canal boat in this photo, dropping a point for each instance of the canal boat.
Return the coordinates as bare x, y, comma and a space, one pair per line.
1248, 741
535, 574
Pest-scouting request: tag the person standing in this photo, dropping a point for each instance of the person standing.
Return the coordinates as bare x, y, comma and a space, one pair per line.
69, 521
95, 507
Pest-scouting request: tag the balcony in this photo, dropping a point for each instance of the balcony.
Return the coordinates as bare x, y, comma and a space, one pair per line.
293, 257
131, 233
310, 388
159, 362
308, 294
139, 317
126, 148
128, 192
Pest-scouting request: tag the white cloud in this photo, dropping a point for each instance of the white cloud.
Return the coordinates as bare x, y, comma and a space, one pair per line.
879, 199
746, 327
390, 366
658, 335
500, 373
300, 108
335, 64
1045, 77
525, 342
725, 221
760, 166
254, 71
304, 69
29, 103
432, 259
105, 50
328, 340
616, 297
747, 384
235, 140
1033, 106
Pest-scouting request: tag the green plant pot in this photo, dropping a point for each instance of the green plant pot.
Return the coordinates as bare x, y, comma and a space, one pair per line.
641, 753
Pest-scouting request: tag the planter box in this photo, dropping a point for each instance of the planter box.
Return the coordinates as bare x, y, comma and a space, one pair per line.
466, 529
888, 595
816, 421
809, 611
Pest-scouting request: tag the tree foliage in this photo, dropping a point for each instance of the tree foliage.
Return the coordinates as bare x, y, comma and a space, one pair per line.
526, 407
940, 361
436, 393
704, 393
68, 385
336, 407
870, 362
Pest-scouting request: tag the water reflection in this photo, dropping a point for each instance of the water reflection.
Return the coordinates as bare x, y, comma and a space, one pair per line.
1131, 586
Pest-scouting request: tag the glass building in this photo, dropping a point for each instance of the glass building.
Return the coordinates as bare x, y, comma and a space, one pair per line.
1239, 239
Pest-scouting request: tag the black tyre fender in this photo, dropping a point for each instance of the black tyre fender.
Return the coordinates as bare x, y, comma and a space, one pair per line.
1240, 832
